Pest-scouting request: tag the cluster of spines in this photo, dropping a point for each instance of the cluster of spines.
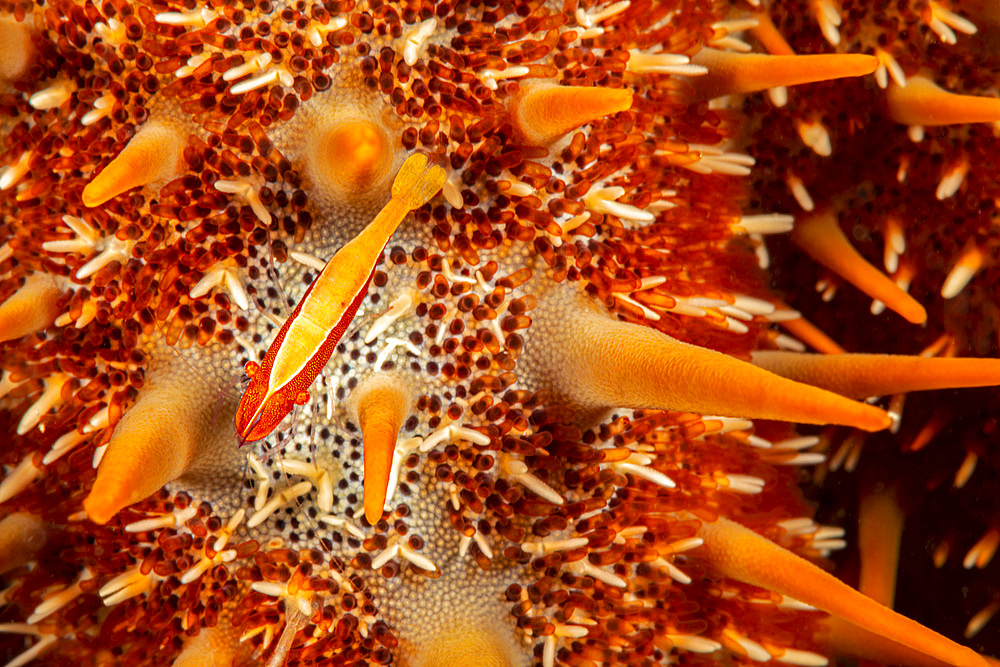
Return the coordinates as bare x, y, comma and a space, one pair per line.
636, 537
524, 235
930, 163
939, 165
230, 165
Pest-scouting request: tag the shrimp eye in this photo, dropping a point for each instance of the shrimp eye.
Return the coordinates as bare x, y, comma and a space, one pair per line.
251, 369
302, 398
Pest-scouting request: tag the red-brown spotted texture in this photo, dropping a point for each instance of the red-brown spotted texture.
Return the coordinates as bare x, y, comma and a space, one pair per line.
514, 527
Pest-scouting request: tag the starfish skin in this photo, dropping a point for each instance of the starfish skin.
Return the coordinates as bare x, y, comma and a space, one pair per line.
564, 424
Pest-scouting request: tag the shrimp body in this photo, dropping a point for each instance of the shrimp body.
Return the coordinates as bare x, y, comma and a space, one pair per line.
299, 352
307, 339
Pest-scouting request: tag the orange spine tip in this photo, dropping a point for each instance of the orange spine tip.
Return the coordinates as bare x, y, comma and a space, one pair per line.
381, 406
31, 308
545, 112
152, 155
626, 365
864, 375
155, 442
16, 50
741, 554
731, 73
822, 239
922, 102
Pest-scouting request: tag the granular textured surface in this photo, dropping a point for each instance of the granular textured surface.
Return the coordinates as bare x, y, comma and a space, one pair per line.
586, 383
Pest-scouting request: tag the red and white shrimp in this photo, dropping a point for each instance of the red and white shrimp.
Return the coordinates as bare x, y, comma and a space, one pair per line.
309, 336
